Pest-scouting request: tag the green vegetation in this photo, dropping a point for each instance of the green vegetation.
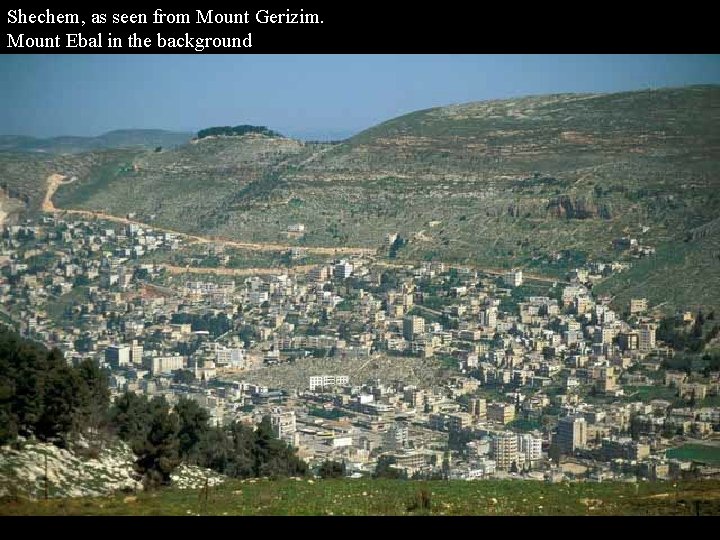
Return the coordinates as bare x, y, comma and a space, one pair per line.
543, 183
237, 131
648, 393
689, 338
524, 425
696, 452
682, 275
41, 396
216, 325
164, 438
60, 308
398, 498
332, 469
334, 414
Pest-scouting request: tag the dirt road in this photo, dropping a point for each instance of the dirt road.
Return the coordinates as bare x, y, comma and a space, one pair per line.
56, 180
237, 272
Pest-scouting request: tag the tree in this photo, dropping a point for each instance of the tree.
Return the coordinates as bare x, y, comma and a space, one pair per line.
193, 423
273, 457
130, 416
95, 398
183, 376
158, 453
61, 398
332, 469
446, 465
384, 469
215, 451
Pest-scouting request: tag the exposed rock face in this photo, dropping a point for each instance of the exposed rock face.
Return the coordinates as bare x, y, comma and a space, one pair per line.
22, 473
565, 207
186, 477
69, 475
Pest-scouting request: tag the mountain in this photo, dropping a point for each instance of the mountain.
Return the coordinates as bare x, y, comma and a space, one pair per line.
128, 138
545, 183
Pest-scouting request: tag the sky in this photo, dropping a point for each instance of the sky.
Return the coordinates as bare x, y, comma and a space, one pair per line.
304, 96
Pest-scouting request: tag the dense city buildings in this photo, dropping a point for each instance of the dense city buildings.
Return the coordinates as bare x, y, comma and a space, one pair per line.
430, 369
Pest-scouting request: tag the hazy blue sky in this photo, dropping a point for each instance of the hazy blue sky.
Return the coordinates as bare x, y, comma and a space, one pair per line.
303, 95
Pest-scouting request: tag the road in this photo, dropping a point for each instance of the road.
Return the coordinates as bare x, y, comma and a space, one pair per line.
236, 272
55, 181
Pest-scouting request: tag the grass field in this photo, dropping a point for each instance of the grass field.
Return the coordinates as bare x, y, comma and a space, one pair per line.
696, 452
648, 393
387, 497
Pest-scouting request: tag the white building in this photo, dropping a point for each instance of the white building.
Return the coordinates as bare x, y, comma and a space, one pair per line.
136, 353
118, 356
234, 358
283, 423
513, 278
328, 381
164, 364
530, 447
505, 450
488, 317
343, 270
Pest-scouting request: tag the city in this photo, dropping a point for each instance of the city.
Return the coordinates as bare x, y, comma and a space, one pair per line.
429, 371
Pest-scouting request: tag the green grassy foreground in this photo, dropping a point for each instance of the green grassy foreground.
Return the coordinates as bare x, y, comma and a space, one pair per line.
396, 498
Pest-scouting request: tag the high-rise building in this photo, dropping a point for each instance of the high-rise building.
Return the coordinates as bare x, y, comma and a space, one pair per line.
514, 278
478, 408
458, 421
283, 423
501, 412
505, 450
571, 434
136, 353
165, 364
396, 437
647, 334
328, 381
343, 270
529, 446
629, 341
413, 327
488, 317
118, 356
604, 335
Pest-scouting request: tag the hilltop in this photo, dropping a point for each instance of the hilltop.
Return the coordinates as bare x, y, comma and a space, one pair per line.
237, 131
545, 183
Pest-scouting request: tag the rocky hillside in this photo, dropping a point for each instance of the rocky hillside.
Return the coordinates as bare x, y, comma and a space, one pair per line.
86, 472
544, 183
69, 474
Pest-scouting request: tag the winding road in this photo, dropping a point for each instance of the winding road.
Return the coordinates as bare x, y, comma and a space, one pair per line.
56, 180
